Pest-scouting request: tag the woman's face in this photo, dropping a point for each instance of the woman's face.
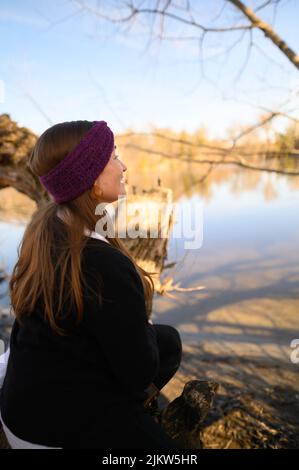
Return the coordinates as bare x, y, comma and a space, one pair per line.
110, 182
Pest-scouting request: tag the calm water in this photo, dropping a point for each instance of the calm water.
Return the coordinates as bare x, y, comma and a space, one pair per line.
248, 263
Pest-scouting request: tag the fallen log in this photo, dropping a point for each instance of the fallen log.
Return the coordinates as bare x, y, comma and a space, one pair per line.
183, 417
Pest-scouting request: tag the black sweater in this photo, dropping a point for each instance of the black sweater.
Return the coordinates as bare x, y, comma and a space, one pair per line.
58, 389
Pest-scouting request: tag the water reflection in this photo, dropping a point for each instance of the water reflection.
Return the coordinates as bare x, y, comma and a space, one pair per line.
249, 263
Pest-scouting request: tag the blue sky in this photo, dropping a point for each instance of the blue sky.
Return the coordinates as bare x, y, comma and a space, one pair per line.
58, 66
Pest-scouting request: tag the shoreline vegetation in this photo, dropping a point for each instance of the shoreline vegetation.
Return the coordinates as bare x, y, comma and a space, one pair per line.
182, 161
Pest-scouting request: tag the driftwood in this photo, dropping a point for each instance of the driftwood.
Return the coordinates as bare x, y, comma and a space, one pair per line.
150, 250
15, 146
182, 419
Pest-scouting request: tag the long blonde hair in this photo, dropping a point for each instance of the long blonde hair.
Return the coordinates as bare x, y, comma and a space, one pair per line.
39, 265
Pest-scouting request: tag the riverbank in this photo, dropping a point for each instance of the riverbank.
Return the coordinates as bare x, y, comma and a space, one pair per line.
257, 404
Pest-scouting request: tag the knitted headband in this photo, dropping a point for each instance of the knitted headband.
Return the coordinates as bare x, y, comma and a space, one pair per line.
80, 168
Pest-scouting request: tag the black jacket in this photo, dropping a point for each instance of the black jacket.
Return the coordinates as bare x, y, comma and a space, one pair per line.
59, 389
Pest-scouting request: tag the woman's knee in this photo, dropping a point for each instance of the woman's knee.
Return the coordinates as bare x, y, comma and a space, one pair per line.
170, 339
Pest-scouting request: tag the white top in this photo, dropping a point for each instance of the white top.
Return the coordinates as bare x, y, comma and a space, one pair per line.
97, 235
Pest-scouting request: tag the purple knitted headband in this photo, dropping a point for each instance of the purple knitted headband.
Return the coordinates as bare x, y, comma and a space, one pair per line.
80, 168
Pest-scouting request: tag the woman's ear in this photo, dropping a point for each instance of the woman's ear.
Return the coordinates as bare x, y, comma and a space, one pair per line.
96, 191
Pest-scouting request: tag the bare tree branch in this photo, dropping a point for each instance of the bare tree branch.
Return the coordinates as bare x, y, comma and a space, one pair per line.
164, 12
134, 11
256, 22
238, 161
250, 129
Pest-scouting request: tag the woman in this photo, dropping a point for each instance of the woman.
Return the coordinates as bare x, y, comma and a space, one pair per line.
82, 349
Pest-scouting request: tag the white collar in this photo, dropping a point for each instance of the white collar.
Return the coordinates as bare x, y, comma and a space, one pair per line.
92, 234
89, 233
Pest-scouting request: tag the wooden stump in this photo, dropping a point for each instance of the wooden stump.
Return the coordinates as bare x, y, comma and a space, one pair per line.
150, 249
183, 417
